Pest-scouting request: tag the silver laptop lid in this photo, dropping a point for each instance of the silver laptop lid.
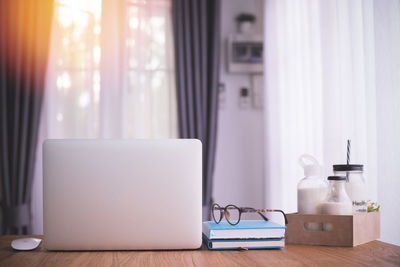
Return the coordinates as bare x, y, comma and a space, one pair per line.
122, 194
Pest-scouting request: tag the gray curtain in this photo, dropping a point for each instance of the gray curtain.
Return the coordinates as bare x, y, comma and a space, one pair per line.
197, 54
24, 39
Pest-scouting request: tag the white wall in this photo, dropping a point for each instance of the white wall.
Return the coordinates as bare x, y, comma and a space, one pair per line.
387, 60
239, 161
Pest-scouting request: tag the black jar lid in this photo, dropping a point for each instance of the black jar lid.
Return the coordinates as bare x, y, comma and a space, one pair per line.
337, 178
348, 167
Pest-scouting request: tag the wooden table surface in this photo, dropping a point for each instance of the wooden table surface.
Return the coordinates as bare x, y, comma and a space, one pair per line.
375, 253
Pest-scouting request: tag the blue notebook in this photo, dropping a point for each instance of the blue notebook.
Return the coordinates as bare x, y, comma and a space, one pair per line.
225, 244
246, 229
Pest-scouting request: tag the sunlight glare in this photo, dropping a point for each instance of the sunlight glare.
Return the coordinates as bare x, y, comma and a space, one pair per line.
96, 54
64, 81
92, 6
134, 22
84, 99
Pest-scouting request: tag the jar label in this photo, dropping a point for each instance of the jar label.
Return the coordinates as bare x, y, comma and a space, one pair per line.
360, 206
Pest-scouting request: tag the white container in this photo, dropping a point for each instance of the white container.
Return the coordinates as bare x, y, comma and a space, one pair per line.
311, 190
337, 202
355, 187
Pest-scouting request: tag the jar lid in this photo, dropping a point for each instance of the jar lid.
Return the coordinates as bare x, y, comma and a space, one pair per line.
348, 167
337, 178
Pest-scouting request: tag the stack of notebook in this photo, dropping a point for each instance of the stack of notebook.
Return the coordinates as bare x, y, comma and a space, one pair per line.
248, 234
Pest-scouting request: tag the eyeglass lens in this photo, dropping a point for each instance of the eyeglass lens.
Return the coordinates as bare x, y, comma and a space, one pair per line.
232, 214
217, 213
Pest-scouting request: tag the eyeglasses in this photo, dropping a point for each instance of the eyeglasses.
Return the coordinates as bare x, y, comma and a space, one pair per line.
233, 213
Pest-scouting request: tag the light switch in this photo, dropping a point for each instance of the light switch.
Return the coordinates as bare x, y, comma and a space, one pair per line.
244, 98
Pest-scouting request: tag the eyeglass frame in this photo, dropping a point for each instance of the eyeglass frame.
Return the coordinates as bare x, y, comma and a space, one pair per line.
242, 210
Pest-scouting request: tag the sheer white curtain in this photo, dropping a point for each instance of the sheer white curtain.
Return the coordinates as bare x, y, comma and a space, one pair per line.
320, 88
137, 85
110, 75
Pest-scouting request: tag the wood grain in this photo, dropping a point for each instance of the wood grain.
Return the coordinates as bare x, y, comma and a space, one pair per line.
348, 230
374, 253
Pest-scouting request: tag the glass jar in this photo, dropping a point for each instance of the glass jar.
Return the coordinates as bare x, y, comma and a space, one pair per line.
337, 201
355, 186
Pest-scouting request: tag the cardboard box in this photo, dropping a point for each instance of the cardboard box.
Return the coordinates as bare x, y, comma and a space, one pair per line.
348, 230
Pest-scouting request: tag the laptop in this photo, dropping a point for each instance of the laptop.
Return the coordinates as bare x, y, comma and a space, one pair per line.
101, 194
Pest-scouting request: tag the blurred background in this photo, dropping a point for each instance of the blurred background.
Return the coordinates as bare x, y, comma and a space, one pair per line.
258, 82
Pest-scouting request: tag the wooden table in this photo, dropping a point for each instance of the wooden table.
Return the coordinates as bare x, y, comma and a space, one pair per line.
375, 253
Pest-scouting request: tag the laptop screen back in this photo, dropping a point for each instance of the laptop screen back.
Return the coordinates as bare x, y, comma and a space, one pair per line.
122, 194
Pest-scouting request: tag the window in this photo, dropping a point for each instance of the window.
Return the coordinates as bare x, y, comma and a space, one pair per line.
73, 93
149, 64
77, 106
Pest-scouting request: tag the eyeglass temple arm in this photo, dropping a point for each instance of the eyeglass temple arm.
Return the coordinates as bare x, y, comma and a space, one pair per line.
266, 210
247, 209
281, 211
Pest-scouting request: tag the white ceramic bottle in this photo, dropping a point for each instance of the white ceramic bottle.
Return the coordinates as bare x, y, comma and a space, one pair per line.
311, 190
337, 201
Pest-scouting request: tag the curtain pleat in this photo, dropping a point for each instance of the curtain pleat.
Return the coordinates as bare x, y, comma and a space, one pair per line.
197, 37
211, 120
24, 38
